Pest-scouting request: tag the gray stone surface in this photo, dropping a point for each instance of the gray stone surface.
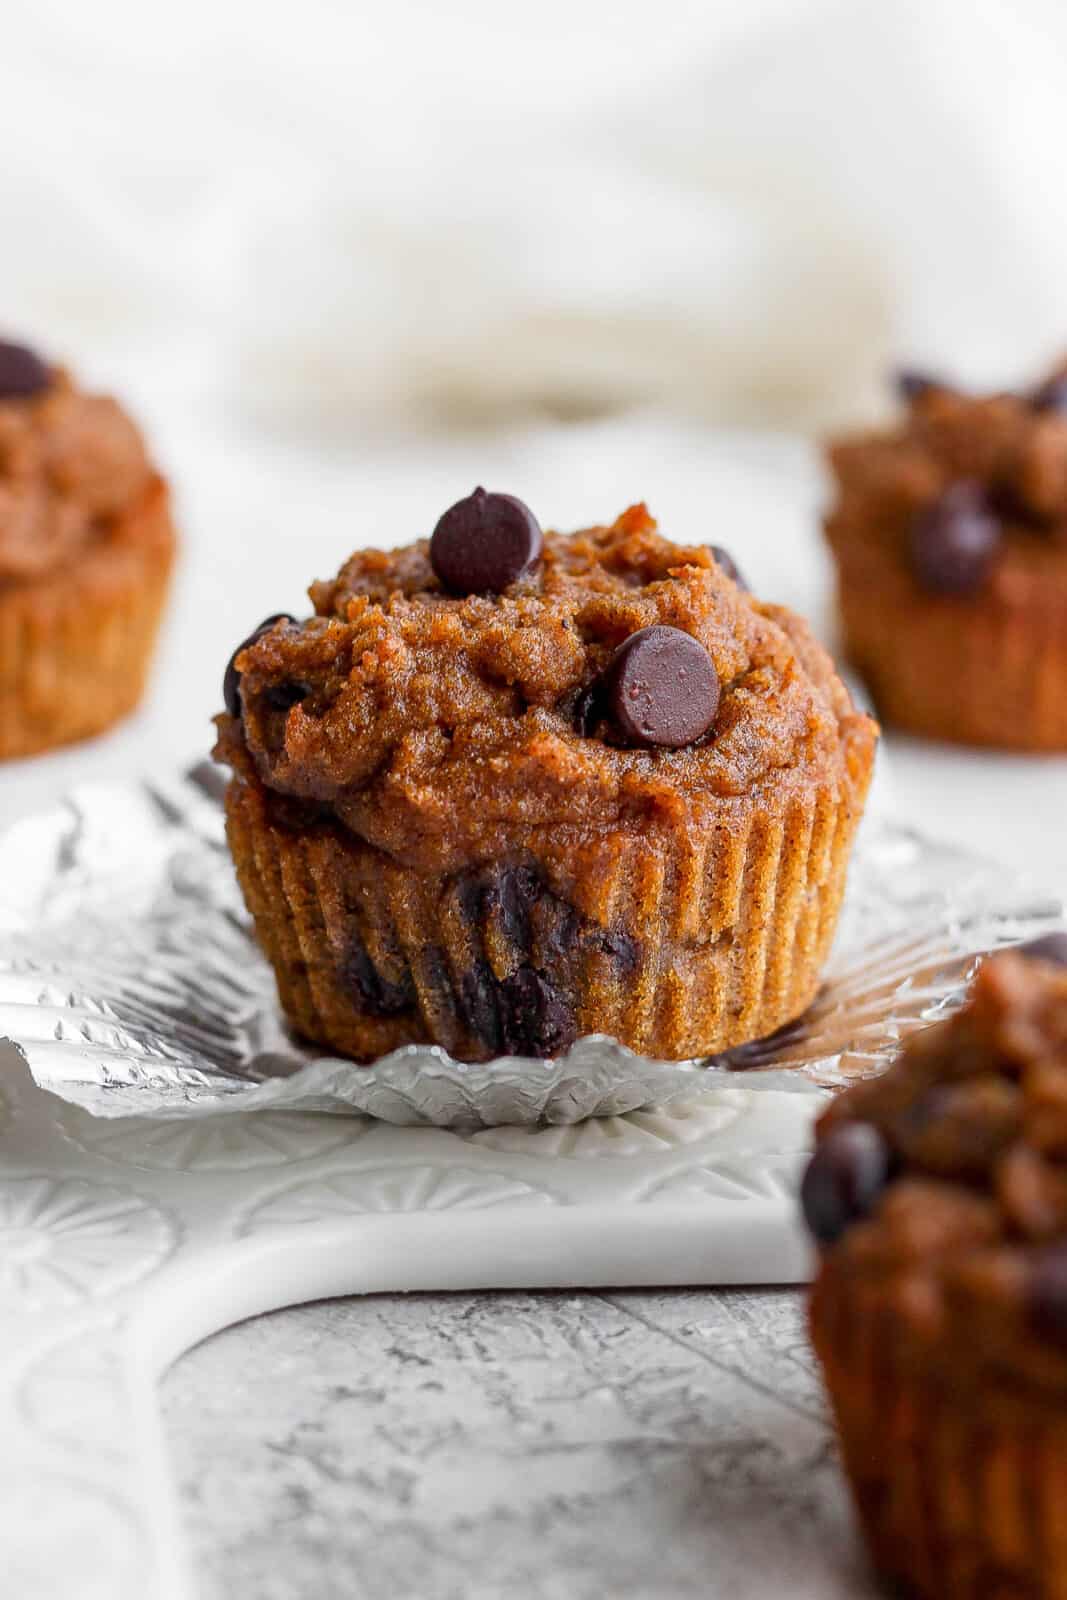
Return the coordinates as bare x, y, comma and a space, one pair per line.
528, 1446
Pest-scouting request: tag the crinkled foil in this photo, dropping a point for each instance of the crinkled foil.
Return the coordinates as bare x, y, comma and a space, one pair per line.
131, 984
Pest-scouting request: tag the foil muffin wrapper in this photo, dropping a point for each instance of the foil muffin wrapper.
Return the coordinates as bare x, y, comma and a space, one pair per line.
131, 984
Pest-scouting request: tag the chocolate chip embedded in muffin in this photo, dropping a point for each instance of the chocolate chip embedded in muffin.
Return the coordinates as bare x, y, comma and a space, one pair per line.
661, 689
913, 384
726, 561
844, 1179
954, 540
1050, 395
1051, 947
231, 679
485, 543
22, 372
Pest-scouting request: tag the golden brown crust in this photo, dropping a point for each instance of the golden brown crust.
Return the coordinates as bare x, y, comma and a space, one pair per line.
434, 846
989, 667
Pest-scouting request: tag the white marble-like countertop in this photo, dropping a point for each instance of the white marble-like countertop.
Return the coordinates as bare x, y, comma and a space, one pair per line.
608, 1446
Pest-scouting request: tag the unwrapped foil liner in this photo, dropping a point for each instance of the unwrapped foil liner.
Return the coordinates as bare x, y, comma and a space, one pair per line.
131, 983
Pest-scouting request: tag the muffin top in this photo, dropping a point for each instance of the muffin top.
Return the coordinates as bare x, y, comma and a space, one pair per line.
596, 680
71, 464
966, 494
940, 1189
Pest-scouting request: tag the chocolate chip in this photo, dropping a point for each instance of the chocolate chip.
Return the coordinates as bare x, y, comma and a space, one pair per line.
1050, 395
485, 543
522, 1015
911, 384
378, 995
478, 994
590, 709
22, 372
725, 560
1050, 947
662, 688
537, 1021
954, 540
284, 696
1047, 1292
845, 1177
231, 682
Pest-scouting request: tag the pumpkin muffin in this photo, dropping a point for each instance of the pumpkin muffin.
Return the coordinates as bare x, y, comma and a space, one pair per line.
949, 532
505, 789
938, 1195
86, 549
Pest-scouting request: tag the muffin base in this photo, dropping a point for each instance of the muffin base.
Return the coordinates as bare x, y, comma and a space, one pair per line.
677, 950
976, 671
960, 1488
75, 647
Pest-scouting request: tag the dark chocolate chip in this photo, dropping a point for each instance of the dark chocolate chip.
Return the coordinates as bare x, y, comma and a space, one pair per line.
954, 540
378, 995
1050, 947
22, 372
485, 543
509, 898
231, 682
1047, 1291
662, 688
1051, 395
590, 709
622, 948
537, 1021
725, 560
911, 384
478, 994
844, 1179
284, 696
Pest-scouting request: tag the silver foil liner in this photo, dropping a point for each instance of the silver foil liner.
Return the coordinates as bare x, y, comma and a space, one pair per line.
131, 983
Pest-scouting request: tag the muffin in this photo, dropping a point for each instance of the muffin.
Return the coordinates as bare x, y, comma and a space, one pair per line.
505, 789
949, 532
86, 549
938, 1195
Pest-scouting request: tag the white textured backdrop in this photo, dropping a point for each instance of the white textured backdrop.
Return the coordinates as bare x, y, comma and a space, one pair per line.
364, 214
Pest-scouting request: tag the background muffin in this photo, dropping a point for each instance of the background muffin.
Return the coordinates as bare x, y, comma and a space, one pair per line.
949, 532
939, 1196
505, 790
86, 548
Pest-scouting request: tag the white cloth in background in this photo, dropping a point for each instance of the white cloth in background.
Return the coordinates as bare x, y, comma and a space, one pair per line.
357, 216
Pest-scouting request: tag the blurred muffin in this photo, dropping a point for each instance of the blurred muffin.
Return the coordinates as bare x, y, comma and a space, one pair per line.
949, 531
938, 1195
506, 789
86, 549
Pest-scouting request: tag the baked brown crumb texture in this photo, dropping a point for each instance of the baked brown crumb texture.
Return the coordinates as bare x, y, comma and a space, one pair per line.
941, 1318
987, 666
437, 843
86, 549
